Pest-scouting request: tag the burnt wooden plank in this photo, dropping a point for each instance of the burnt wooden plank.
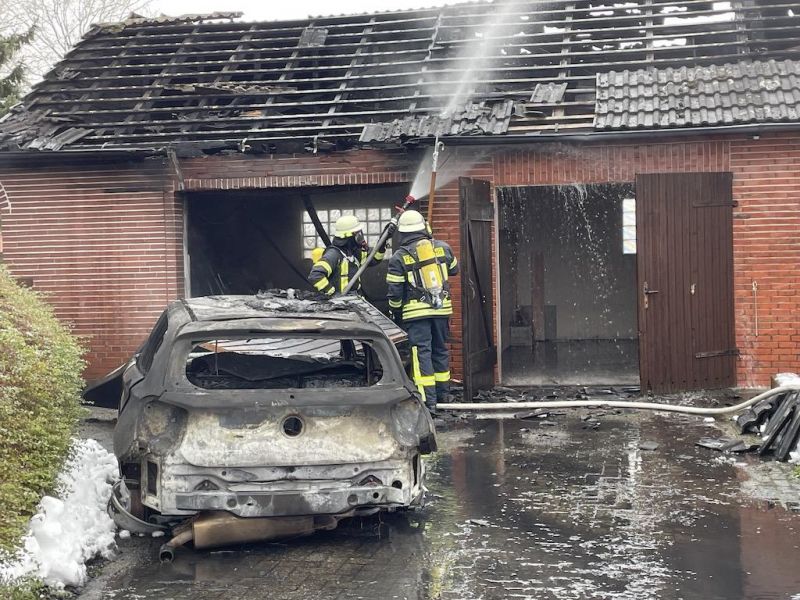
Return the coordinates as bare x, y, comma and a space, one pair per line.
477, 296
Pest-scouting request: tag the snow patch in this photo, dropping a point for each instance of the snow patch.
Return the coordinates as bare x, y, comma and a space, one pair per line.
72, 528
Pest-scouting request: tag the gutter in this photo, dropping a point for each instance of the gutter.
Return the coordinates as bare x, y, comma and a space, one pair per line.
600, 136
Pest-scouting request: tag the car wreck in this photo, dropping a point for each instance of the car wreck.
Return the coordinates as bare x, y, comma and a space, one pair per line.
246, 418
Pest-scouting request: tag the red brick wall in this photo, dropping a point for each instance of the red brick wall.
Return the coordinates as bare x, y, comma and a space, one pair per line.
343, 168
766, 239
103, 242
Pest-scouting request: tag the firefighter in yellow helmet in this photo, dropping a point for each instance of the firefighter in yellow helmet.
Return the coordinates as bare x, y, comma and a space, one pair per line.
331, 272
419, 298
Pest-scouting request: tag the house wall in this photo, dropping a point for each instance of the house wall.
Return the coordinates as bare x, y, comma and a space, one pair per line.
105, 242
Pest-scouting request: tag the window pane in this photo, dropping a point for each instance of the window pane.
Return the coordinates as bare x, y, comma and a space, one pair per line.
386, 214
629, 247
629, 218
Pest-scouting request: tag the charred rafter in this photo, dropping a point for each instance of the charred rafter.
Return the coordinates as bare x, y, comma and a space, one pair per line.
212, 81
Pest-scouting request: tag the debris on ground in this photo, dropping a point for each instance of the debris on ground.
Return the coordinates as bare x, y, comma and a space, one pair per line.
648, 445
726, 444
479, 522
72, 528
777, 419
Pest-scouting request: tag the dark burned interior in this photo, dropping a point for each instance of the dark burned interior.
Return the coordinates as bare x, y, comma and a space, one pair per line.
270, 232
283, 362
213, 83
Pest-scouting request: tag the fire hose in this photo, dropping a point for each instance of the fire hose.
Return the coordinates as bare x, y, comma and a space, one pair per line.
688, 410
387, 232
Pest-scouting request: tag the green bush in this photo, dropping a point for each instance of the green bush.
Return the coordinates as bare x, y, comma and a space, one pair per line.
40, 384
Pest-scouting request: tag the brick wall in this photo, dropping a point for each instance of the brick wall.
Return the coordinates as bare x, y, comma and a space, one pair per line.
766, 240
103, 242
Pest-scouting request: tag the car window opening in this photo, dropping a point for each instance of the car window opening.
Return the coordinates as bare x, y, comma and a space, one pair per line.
280, 363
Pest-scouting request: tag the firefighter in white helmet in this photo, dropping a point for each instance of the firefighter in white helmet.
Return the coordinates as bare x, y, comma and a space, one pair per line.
331, 273
419, 298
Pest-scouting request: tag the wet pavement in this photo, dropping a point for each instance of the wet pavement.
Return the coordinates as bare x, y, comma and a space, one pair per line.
547, 508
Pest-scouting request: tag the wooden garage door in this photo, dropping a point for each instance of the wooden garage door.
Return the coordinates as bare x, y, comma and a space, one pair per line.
685, 277
477, 297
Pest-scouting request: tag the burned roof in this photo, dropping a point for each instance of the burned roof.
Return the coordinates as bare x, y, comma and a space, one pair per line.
214, 82
736, 93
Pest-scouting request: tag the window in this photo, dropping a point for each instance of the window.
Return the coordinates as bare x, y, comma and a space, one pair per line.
148, 351
629, 226
372, 219
284, 362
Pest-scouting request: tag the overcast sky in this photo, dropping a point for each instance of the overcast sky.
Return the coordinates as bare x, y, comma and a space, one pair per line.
266, 10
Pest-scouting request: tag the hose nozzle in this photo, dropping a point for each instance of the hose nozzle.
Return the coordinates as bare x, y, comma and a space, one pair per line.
410, 199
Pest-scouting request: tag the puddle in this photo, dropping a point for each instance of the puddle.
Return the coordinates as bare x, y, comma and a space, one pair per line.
519, 512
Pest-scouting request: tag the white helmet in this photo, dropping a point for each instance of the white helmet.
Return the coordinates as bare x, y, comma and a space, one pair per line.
410, 221
346, 225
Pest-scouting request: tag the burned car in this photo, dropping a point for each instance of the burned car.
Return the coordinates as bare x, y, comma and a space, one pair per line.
245, 418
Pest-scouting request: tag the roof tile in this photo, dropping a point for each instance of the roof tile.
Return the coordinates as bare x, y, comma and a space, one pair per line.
728, 94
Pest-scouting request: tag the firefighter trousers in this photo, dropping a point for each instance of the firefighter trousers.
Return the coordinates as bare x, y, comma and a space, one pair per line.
430, 357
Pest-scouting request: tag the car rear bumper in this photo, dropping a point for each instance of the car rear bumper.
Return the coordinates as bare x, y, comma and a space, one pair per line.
323, 501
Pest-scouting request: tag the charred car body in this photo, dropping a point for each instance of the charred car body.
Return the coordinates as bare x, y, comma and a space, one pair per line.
251, 417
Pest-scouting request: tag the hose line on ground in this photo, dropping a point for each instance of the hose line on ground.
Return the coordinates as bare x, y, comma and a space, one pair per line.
689, 410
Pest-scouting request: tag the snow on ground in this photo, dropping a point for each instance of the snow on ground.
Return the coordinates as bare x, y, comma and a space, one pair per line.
69, 530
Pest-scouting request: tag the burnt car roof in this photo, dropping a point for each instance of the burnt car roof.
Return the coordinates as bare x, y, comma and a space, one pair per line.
280, 305
289, 304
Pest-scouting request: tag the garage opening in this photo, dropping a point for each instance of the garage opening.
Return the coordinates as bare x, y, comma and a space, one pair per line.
567, 265
243, 241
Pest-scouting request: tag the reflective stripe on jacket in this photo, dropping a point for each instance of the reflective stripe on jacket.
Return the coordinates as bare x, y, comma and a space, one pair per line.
405, 291
331, 273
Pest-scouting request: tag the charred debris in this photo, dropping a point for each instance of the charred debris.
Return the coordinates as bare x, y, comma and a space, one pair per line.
205, 84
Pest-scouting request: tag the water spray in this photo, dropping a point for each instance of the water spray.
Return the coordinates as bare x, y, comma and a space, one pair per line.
437, 146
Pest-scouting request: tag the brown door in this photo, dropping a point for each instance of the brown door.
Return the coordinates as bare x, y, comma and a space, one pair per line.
684, 228
477, 298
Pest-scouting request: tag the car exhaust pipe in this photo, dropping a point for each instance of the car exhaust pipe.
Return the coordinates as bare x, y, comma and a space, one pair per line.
167, 551
220, 528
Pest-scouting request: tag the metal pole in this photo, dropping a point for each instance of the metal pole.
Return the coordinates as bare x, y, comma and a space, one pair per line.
437, 146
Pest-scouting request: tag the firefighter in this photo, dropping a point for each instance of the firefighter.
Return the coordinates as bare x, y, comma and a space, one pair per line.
331, 273
419, 298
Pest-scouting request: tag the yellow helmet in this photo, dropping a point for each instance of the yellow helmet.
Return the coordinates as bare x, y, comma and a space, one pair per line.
346, 225
410, 221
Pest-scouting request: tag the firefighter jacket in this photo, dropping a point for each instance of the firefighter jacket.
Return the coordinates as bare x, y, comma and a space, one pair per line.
331, 273
406, 293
